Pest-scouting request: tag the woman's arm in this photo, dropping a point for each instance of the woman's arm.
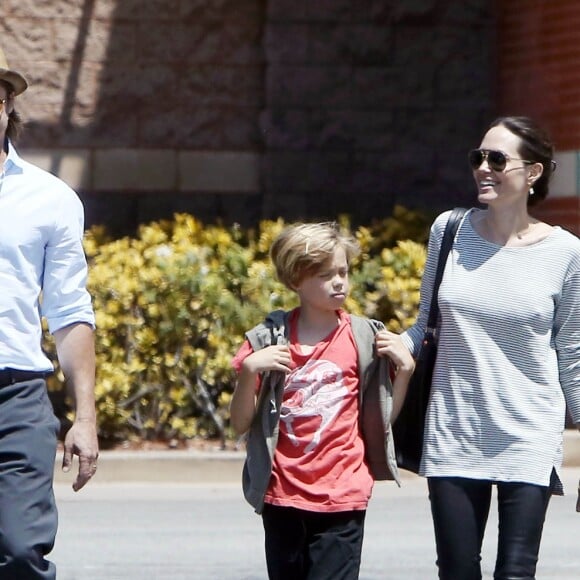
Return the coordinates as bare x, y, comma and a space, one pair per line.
567, 341
390, 345
413, 336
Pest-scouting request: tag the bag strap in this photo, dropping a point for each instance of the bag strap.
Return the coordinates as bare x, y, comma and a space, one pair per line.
363, 331
446, 245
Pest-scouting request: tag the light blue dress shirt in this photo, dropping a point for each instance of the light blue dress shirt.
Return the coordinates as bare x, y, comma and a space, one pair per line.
43, 270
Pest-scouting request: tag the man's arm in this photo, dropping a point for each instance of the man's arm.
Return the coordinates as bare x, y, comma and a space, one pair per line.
75, 347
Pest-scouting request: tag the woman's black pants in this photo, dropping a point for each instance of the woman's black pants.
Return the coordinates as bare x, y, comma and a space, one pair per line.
460, 508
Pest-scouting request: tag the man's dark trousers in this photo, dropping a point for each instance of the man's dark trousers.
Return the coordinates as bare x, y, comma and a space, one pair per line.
28, 516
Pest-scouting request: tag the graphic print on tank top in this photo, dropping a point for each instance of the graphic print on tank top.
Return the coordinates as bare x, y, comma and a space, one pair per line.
315, 389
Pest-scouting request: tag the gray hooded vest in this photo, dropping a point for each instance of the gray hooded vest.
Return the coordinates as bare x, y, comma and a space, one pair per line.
375, 406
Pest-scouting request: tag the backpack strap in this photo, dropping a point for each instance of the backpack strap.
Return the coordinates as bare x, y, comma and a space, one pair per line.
375, 400
272, 330
364, 330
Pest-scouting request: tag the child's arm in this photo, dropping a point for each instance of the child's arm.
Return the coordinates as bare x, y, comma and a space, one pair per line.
243, 404
390, 345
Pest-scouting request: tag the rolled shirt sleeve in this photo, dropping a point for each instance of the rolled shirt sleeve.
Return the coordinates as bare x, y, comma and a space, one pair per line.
65, 299
43, 269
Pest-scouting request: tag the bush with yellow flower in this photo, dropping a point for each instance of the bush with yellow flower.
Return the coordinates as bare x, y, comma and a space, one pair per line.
172, 305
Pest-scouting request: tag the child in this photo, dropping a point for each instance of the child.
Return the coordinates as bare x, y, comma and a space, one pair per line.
318, 404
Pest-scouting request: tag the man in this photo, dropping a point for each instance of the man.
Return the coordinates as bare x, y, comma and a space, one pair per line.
42, 273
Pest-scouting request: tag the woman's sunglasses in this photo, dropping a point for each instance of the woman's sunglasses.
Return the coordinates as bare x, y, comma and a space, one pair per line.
497, 160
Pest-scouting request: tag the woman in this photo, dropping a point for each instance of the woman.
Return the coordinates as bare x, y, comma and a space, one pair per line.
507, 363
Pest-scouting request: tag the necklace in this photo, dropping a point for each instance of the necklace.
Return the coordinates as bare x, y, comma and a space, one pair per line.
490, 233
520, 235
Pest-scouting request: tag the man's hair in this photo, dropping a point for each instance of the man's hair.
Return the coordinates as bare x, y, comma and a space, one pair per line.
301, 250
15, 124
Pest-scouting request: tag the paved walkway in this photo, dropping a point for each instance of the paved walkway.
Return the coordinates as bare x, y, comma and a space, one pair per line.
177, 466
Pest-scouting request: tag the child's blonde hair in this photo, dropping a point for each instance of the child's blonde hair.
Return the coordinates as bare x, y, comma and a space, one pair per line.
301, 250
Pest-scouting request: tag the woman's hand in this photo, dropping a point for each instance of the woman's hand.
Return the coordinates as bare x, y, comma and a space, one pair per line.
390, 345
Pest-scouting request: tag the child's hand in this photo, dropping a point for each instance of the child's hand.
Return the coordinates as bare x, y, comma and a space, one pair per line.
270, 358
390, 344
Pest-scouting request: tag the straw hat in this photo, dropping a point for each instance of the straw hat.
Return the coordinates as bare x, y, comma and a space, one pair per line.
15, 79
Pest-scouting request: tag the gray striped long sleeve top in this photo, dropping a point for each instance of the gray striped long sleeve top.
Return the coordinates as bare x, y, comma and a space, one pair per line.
508, 356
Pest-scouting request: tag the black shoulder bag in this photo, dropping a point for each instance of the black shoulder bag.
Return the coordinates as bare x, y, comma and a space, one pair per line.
409, 427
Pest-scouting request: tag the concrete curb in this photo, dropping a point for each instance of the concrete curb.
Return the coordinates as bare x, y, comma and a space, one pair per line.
176, 466
171, 466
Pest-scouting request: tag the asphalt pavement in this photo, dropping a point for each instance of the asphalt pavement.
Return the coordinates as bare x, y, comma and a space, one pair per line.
176, 515
210, 466
206, 531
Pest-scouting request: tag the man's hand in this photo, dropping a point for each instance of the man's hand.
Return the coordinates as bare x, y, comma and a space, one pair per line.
75, 348
81, 440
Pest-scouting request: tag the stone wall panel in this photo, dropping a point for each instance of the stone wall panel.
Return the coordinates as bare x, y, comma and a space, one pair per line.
131, 85
377, 88
47, 82
418, 10
287, 43
332, 130
373, 174
112, 125
239, 130
168, 41
364, 44
108, 9
452, 88
29, 45
28, 9
330, 171
241, 44
287, 10
286, 171
309, 86
353, 131
285, 129
471, 14
228, 86
330, 10
92, 40
189, 126
402, 65
377, 12
152, 10
222, 10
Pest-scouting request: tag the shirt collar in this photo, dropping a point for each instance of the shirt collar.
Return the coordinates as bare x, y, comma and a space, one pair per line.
13, 159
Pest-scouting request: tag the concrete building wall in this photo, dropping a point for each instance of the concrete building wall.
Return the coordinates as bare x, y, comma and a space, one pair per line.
373, 103
539, 75
243, 109
146, 107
